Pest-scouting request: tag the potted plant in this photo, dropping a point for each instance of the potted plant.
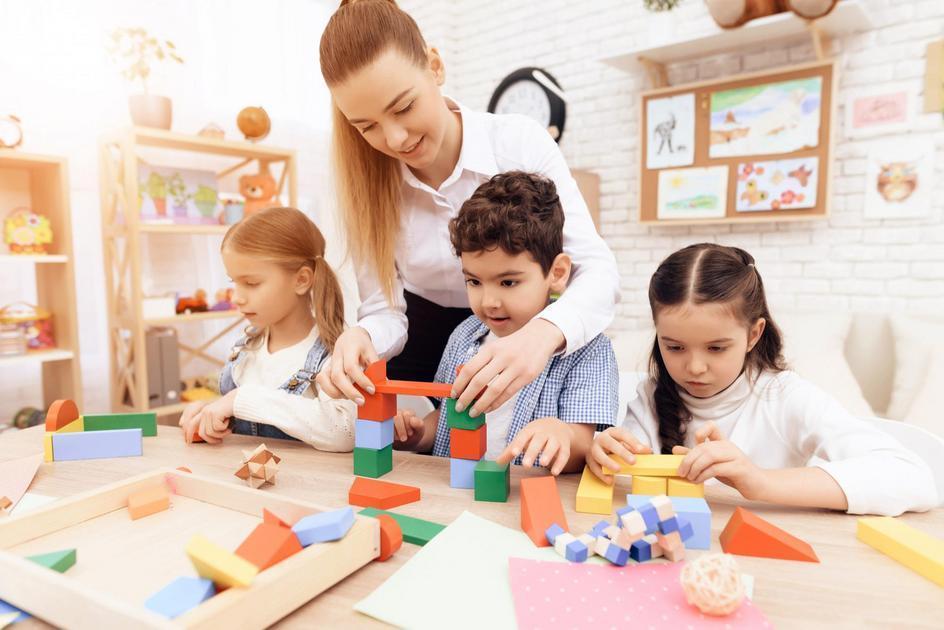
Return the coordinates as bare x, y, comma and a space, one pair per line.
156, 188
177, 188
137, 51
206, 200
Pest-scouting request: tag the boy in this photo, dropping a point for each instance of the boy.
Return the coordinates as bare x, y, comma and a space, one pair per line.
509, 238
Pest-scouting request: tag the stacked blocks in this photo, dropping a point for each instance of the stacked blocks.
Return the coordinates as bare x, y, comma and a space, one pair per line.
467, 444
655, 475
492, 481
693, 512
70, 436
373, 430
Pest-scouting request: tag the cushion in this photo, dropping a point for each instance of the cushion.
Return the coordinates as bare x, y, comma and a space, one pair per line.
919, 345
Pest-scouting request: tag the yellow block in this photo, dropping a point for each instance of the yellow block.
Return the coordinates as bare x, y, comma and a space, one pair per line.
651, 466
76, 426
679, 487
912, 547
47, 447
652, 486
215, 563
593, 496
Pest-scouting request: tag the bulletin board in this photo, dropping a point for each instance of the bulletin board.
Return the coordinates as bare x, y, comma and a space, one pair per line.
756, 147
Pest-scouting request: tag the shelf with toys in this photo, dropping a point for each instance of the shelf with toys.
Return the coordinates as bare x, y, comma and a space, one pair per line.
41, 330
163, 184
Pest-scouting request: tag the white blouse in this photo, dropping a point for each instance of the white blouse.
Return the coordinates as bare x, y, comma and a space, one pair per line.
428, 267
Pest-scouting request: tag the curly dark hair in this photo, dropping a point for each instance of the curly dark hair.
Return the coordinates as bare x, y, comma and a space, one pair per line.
517, 211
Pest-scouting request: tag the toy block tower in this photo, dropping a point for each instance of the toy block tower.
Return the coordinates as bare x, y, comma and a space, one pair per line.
373, 429
467, 445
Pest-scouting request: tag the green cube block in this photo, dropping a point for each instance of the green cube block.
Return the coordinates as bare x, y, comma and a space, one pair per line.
456, 420
369, 462
147, 422
416, 531
59, 561
492, 481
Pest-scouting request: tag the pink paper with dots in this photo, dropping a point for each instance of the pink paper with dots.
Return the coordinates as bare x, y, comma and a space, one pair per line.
551, 595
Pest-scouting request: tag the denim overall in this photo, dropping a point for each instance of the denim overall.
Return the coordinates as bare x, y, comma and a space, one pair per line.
298, 384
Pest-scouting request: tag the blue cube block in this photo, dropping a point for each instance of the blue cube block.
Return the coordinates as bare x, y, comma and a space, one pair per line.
372, 434
620, 512
553, 532
576, 551
181, 595
462, 472
597, 530
685, 528
640, 551
616, 555
650, 516
7, 609
324, 526
669, 525
694, 509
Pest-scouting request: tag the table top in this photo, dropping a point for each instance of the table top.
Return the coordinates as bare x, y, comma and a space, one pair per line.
853, 585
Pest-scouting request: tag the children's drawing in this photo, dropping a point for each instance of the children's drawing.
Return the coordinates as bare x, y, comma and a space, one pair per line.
670, 124
693, 193
769, 118
777, 184
173, 195
898, 178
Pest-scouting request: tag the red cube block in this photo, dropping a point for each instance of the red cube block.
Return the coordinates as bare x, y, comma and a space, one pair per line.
465, 444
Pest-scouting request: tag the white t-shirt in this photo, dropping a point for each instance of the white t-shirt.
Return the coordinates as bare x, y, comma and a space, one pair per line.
322, 422
784, 421
498, 421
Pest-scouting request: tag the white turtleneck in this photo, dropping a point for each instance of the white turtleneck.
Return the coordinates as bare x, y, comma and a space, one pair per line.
784, 421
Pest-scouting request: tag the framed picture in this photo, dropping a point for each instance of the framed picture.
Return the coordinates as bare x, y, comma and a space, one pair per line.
176, 195
693, 193
671, 131
876, 111
898, 178
777, 185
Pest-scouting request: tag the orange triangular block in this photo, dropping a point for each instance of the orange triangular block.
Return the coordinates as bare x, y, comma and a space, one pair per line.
61, 413
268, 544
382, 495
747, 534
540, 508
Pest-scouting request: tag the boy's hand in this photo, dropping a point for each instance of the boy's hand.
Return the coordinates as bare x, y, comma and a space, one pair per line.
715, 457
549, 437
614, 441
211, 422
408, 428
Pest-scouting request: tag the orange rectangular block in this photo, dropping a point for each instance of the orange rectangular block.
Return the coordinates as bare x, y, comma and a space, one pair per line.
147, 502
466, 444
61, 413
382, 495
378, 407
268, 544
377, 371
747, 534
415, 388
540, 508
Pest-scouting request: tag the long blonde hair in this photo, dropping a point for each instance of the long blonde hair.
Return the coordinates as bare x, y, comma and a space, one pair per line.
368, 181
288, 238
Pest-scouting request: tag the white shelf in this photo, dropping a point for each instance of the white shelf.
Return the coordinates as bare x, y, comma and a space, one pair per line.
37, 356
36, 258
849, 16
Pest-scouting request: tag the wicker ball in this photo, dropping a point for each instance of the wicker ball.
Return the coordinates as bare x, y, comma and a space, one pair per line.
712, 583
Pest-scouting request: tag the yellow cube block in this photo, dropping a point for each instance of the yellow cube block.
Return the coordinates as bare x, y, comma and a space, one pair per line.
593, 496
652, 486
47, 447
651, 466
678, 487
76, 426
912, 547
224, 567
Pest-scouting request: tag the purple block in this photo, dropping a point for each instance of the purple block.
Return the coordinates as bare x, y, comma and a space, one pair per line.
324, 526
462, 472
669, 525
181, 595
686, 530
96, 444
553, 532
640, 551
650, 516
597, 530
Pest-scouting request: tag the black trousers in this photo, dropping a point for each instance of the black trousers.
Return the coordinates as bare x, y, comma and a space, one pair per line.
429, 328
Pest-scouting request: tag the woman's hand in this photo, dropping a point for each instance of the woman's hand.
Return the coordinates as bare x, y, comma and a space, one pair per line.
614, 441
353, 351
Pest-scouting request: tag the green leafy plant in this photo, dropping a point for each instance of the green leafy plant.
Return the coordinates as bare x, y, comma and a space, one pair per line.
156, 186
661, 5
137, 52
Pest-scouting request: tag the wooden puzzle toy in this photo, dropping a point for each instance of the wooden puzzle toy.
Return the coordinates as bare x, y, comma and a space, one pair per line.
259, 467
747, 534
917, 550
382, 495
540, 508
694, 511
416, 531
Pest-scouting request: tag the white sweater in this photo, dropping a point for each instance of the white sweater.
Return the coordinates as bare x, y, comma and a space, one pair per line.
784, 421
326, 424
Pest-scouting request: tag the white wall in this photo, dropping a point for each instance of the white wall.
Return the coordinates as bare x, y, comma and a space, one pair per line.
847, 262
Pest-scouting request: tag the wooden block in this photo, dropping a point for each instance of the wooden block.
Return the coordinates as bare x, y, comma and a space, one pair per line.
377, 371
650, 466
634, 523
593, 496
96, 444
76, 426
181, 595
694, 510
60, 414
648, 485
569, 547
146, 421
456, 420
373, 434
214, 563
282, 520
540, 507
492, 481
377, 407
678, 487
466, 444
382, 495
462, 473
663, 506
552, 532
59, 561
416, 531
415, 388
370, 462
146, 502
324, 526
747, 534
268, 544
917, 550
48, 453
391, 536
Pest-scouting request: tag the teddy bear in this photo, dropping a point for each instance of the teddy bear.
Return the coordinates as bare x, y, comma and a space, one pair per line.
259, 191
734, 13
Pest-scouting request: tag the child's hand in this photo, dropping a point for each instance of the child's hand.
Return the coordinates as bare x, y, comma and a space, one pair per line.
408, 428
614, 441
212, 421
191, 410
549, 437
715, 457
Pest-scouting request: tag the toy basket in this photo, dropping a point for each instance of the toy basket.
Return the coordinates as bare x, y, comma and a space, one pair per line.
35, 322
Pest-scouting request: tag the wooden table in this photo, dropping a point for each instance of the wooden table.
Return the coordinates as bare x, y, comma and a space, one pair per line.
853, 586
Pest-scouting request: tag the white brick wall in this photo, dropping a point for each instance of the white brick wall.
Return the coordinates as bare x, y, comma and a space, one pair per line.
847, 262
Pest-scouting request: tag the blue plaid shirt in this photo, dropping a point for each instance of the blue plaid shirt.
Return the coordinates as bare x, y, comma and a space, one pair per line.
579, 387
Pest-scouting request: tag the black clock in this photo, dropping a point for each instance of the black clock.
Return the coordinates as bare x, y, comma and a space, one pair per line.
534, 93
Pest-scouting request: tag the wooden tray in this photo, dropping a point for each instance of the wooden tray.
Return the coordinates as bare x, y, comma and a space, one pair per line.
121, 563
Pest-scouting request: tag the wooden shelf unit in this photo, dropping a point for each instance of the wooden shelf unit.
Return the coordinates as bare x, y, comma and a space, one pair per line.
122, 232
48, 177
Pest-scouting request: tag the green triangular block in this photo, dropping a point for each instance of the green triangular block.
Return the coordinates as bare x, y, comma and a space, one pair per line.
59, 561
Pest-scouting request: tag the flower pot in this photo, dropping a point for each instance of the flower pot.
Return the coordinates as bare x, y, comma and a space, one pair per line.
150, 110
